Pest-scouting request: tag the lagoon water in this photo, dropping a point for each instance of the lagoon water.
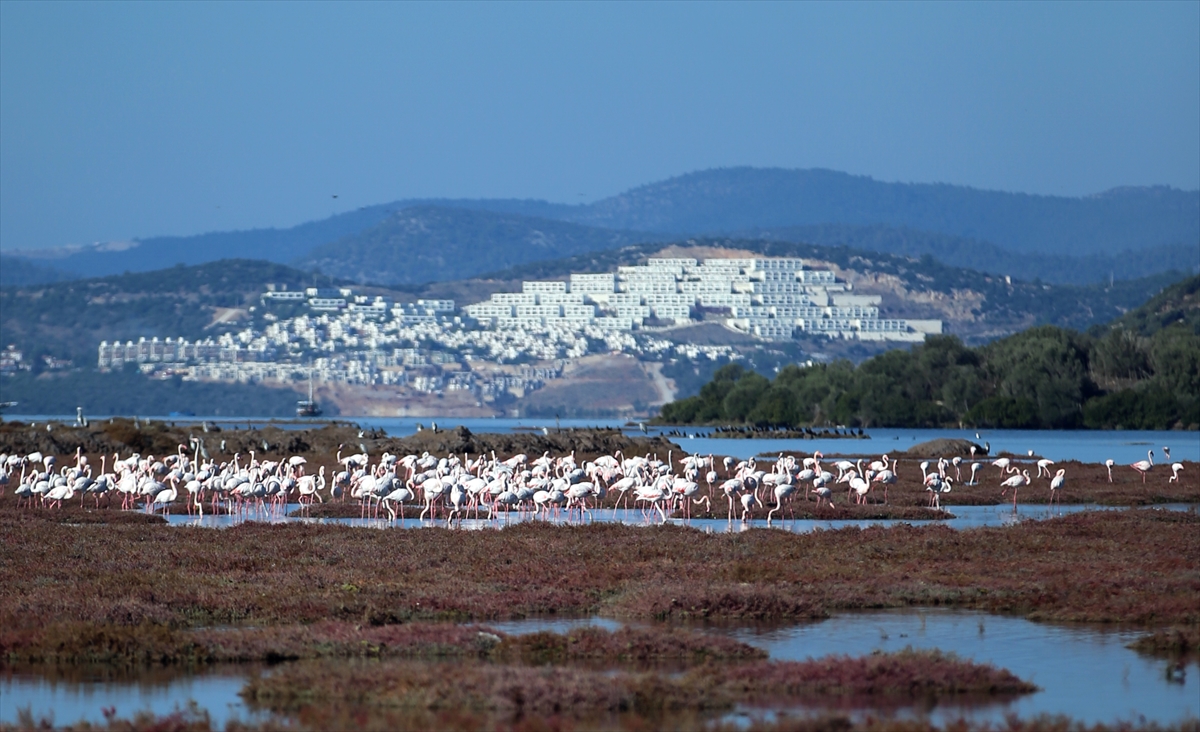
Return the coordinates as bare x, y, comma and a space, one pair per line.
1085, 672
965, 517
1090, 446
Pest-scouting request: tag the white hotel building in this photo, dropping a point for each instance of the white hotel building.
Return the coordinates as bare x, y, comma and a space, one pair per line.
773, 299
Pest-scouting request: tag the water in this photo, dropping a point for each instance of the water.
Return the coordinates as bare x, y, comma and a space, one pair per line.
1084, 445
965, 517
69, 702
1085, 672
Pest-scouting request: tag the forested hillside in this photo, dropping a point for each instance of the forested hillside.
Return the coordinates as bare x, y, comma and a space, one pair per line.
1045, 377
737, 199
69, 319
433, 244
1066, 239
983, 256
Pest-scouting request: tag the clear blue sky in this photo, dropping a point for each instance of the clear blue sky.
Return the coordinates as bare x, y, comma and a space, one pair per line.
122, 120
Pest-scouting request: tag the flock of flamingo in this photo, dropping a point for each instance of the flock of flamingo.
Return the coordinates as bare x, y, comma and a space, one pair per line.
460, 487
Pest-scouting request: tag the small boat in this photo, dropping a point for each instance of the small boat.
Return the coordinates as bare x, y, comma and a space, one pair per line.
308, 407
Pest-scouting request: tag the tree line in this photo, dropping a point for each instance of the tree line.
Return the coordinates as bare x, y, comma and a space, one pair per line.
1042, 378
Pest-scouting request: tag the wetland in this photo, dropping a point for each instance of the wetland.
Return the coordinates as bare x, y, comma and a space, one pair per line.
887, 615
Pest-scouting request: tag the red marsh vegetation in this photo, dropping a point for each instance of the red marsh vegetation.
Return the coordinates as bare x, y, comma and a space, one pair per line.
1139, 567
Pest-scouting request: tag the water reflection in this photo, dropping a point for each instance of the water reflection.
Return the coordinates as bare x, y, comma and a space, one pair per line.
1084, 672
965, 517
69, 702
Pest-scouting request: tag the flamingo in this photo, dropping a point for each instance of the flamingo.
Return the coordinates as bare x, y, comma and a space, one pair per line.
974, 469
936, 488
1109, 463
1005, 465
1056, 485
861, 487
782, 491
731, 488
748, 503
1143, 466
1015, 482
822, 491
1043, 465
1176, 469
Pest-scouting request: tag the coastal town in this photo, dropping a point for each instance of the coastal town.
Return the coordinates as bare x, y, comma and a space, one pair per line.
515, 343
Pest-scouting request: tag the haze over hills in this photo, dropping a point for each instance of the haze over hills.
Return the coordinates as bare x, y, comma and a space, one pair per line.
1126, 232
732, 199
429, 244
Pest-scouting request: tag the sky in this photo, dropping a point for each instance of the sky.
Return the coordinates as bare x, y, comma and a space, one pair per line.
124, 120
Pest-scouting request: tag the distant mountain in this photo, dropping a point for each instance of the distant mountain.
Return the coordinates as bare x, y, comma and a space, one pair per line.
430, 243
154, 253
735, 199
1074, 239
987, 257
17, 271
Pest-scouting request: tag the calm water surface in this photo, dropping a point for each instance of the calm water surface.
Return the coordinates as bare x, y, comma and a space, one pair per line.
1123, 446
1085, 672
965, 517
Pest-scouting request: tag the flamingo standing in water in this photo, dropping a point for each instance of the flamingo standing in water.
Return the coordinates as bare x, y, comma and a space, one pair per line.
1056, 485
1143, 466
1015, 482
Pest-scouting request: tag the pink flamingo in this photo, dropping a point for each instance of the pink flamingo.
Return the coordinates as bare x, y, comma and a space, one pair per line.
1143, 466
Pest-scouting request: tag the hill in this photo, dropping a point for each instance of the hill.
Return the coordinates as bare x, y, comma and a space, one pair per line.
1177, 306
1073, 239
736, 199
983, 256
69, 319
429, 243
15, 271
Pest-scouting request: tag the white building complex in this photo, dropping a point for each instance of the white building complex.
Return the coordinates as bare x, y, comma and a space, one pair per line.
772, 299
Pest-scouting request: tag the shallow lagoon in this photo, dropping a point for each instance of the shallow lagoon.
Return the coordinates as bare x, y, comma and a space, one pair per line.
1085, 672
965, 517
1091, 446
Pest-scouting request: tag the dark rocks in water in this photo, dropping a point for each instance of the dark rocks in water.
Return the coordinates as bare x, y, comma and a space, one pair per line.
946, 447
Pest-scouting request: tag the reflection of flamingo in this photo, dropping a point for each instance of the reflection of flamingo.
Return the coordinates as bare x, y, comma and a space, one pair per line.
1056, 485
1143, 466
1109, 463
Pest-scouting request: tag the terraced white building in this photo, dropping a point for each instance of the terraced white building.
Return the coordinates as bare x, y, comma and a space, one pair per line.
772, 299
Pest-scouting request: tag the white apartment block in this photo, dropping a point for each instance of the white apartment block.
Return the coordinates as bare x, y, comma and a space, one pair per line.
540, 287
770, 298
